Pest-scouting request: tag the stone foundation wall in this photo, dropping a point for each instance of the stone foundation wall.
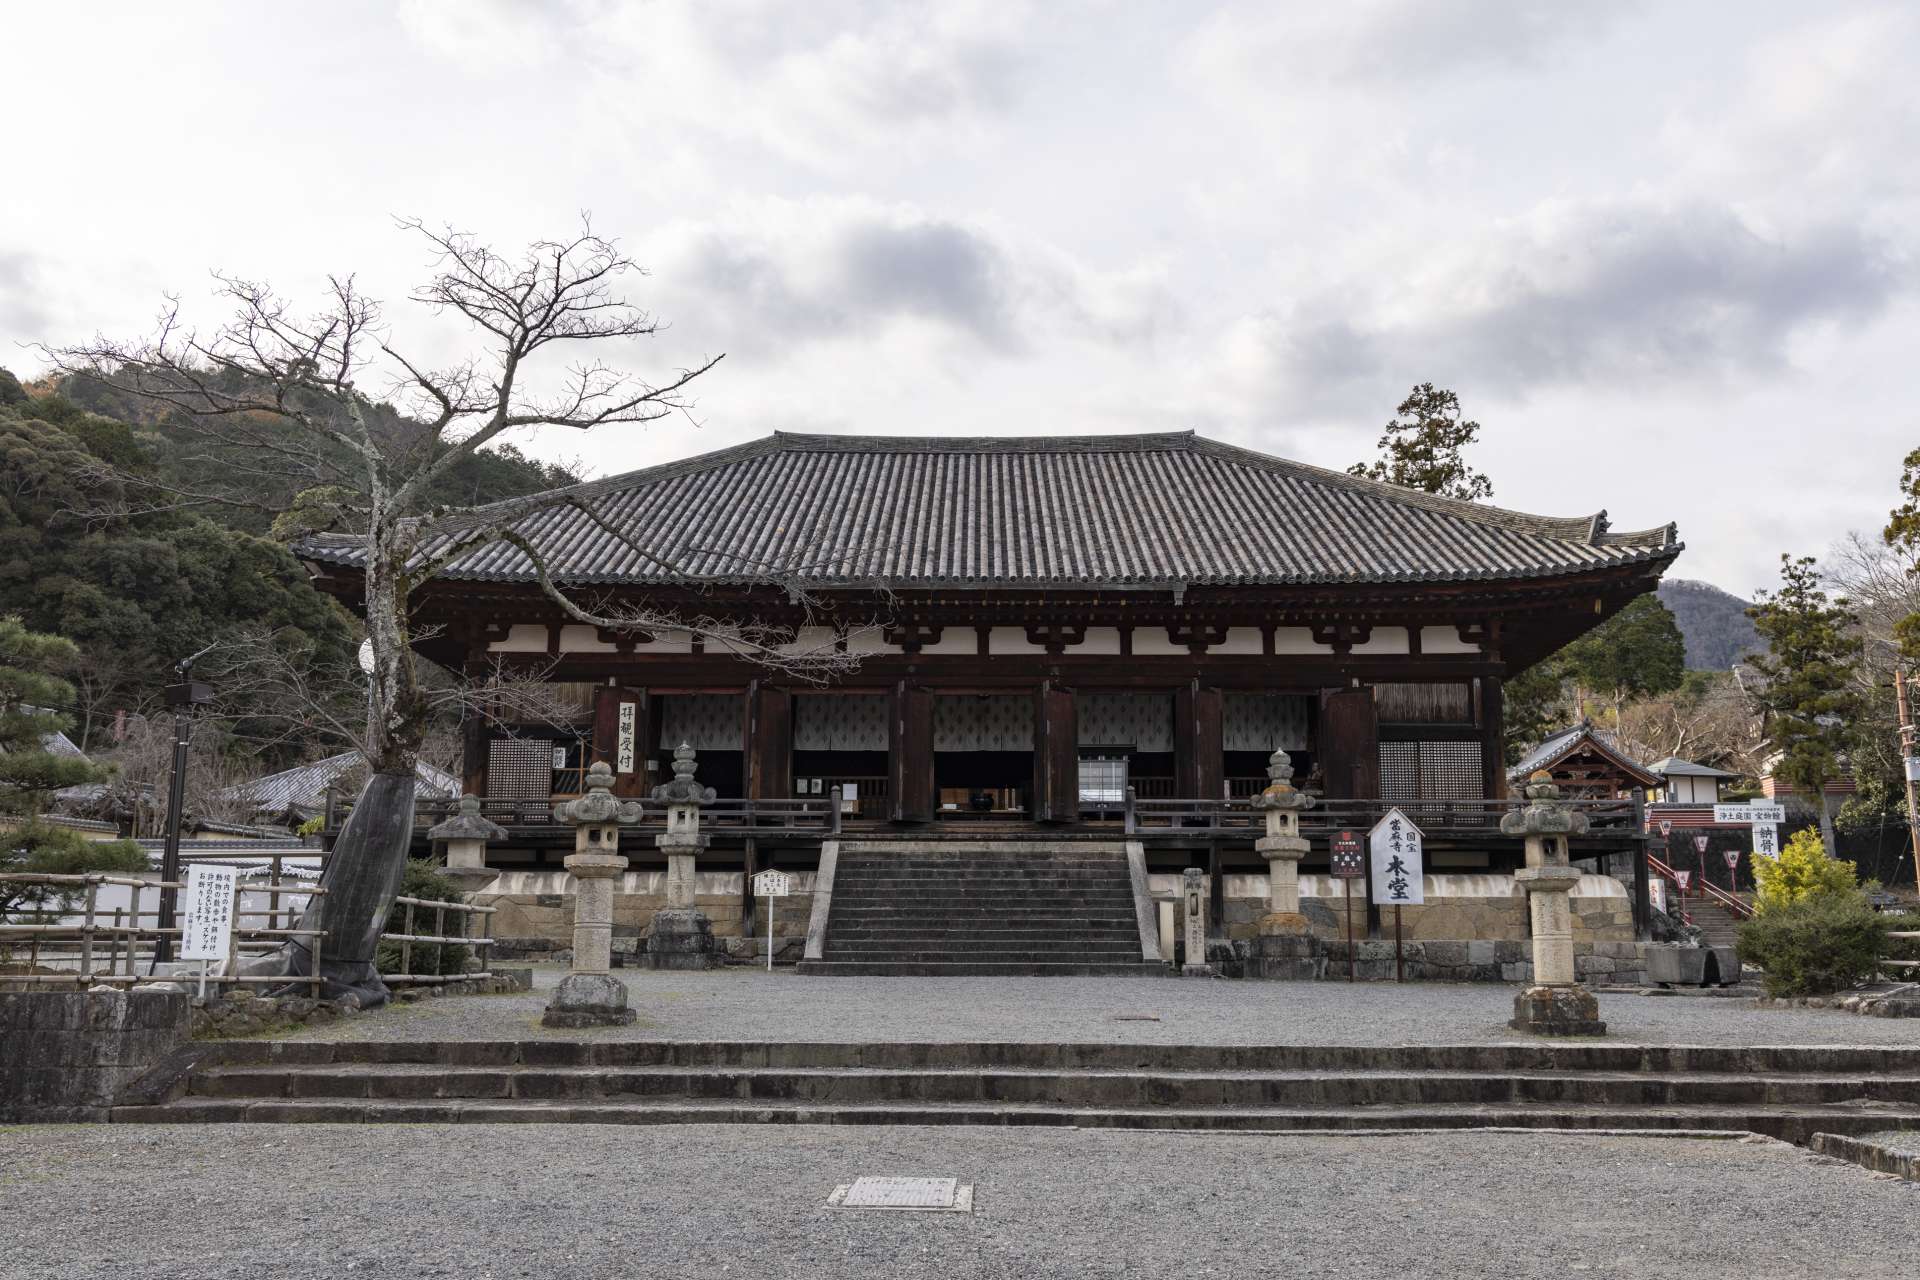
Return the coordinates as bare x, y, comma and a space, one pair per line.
65, 1055
1476, 907
535, 911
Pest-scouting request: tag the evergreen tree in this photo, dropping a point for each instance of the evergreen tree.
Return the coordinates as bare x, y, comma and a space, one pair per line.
1806, 679
1420, 448
1637, 653
30, 771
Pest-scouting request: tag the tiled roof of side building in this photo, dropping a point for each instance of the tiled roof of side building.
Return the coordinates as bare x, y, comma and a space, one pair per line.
991, 511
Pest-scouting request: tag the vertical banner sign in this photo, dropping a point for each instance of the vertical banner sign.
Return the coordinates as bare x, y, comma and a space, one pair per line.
1397, 872
1348, 864
1766, 840
623, 747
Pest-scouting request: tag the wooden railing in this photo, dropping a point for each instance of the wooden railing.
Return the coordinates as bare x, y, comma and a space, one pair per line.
1437, 819
406, 937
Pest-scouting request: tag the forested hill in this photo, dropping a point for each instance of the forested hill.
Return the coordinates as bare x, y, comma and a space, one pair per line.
1713, 622
83, 555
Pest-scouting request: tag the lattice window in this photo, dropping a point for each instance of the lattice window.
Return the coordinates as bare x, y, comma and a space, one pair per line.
1103, 781
1414, 771
519, 769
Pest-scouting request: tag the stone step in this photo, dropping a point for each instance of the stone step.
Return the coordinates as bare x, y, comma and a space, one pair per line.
1507, 1056
1051, 929
1794, 1124
989, 967
923, 954
1076, 1088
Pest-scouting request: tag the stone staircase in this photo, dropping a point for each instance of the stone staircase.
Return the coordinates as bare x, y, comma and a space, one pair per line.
1716, 923
1785, 1092
980, 907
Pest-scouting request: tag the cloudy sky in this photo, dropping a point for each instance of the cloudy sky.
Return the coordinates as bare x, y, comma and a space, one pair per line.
1663, 252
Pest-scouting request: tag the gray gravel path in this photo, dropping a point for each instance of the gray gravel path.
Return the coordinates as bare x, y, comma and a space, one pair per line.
748, 1004
508, 1201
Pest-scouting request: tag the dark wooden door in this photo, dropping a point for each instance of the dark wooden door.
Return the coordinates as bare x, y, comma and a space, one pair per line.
1199, 743
910, 754
1056, 755
1350, 744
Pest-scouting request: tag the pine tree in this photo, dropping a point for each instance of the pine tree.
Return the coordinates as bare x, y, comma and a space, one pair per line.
30, 772
1806, 679
1420, 448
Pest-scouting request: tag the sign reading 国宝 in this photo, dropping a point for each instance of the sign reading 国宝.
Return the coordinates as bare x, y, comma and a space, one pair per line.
1397, 862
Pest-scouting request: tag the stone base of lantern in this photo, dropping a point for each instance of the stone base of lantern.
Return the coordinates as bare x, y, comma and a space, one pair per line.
680, 938
1285, 952
1557, 1011
470, 879
588, 1000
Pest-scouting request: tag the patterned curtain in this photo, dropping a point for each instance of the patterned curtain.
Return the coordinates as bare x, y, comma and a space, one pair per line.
704, 721
994, 722
1143, 721
840, 722
1266, 722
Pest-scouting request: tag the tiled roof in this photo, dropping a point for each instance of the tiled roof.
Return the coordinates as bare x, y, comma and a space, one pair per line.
1675, 767
1091, 510
1574, 738
305, 786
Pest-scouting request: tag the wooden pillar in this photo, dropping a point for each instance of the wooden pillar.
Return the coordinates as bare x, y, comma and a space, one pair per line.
1493, 747
473, 752
910, 753
1056, 755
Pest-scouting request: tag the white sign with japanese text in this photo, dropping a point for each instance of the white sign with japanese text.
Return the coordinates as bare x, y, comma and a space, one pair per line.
1728, 814
623, 750
1766, 840
1398, 864
772, 884
206, 923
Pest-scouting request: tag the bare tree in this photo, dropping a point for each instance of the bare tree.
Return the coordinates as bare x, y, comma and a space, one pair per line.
279, 396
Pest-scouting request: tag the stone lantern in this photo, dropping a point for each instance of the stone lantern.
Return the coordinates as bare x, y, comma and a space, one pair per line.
590, 996
680, 936
1284, 947
1555, 1005
464, 838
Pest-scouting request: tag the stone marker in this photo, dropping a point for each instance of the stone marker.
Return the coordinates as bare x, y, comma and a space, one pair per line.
1193, 912
463, 837
1555, 1005
589, 996
680, 936
1284, 947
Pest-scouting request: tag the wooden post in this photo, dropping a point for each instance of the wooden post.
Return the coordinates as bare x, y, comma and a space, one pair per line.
1642, 885
1399, 961
113, 956
835, 798
1128, 819
86, 930
406, 938
749, 863
440, 948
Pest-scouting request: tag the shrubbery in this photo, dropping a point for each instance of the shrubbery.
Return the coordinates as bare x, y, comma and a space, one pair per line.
423, 880
1817, 944
1802, 869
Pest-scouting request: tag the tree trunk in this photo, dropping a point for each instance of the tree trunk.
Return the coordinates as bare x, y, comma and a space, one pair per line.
362, 876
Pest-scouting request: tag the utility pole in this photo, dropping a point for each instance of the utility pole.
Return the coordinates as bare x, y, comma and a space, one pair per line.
1907, 765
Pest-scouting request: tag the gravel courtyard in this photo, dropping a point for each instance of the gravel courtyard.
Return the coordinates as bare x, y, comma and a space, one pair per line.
750, 1004
497, 1202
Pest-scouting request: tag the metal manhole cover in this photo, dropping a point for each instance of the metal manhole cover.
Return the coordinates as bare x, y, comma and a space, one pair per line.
937, 1195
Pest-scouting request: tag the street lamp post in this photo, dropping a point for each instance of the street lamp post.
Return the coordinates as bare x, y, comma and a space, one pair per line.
182, 698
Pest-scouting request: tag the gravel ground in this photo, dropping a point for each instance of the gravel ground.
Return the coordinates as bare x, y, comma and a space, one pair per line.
750, 1004
492, 1202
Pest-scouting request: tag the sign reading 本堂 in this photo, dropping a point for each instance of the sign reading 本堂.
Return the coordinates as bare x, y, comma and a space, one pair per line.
623, 748
772, 884
1729, 814
1398, 864
1347, 861
206, 926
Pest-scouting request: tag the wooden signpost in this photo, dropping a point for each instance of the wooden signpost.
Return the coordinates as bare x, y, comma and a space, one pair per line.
1348, 864
1398, 867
